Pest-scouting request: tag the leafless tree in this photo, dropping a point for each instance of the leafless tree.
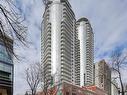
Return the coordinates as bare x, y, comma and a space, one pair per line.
108, 78
11, 23
118, 61
33, 77
49, 86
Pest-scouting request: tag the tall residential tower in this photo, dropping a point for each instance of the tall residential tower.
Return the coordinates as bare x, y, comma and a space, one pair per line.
58, 42
86, 39
103, 76
67, 45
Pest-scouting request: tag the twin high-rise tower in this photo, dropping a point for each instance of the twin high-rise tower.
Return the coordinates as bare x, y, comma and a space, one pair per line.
67, 45
86, 41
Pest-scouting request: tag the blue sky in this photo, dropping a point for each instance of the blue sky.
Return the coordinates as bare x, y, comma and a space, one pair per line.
107, 17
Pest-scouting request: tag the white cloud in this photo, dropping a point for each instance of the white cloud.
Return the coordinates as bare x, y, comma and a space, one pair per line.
108, 19
27, 56
33, 10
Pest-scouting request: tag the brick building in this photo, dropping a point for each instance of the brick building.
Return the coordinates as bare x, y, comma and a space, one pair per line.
69, 89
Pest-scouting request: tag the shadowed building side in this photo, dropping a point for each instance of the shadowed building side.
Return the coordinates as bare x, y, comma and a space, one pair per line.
6, 66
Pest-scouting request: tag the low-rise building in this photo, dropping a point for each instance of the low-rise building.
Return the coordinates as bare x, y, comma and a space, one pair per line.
67, 89
70, 89
96, 90
6, 66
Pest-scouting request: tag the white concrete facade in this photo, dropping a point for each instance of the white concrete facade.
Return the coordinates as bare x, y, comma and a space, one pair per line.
55, 19
67, 45
85, 36
58, 41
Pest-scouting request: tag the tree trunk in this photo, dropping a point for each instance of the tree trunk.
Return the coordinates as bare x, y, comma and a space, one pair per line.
122, 87
33, 92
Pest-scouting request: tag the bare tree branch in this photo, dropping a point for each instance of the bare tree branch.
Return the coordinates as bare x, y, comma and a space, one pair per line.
33, 77
11, 24
117, 61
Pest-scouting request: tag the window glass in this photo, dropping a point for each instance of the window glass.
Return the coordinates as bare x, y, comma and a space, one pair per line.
5, 67
4, 56
101, 78
67, 93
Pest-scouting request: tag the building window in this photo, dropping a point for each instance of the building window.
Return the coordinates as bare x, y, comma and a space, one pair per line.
101, 78
73, 94
84, 79
67, 93
4, 55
